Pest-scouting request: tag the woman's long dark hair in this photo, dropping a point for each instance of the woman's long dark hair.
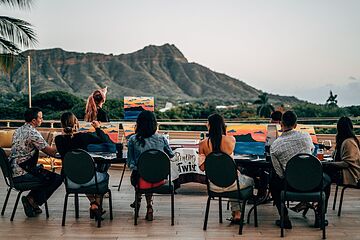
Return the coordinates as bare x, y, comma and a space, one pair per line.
146, 126
345, 130
216, 130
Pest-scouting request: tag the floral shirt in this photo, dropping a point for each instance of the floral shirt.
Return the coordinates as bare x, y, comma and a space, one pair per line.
26, 140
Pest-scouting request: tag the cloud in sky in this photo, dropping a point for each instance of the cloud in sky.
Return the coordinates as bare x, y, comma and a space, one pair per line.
279, 46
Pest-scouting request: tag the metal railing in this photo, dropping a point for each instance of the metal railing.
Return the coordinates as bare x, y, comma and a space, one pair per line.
55, 124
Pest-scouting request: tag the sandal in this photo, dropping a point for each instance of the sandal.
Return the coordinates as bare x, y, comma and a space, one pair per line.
302, 206
96, 213
234, 220
149, 213
132, 205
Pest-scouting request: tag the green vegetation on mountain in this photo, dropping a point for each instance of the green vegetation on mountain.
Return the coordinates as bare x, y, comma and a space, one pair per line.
160, 71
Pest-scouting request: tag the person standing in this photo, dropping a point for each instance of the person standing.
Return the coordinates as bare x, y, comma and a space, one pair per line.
26, 144
94, 110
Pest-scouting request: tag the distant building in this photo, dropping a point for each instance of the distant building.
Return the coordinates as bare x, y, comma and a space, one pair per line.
226, 107
167, 107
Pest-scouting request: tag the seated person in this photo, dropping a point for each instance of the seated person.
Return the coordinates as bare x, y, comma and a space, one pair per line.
217, 141
26, 143
289, 144
145, 138
276, 117
346, 168
72, 139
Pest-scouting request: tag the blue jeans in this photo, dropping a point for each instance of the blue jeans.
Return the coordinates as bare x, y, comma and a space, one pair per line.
101, 176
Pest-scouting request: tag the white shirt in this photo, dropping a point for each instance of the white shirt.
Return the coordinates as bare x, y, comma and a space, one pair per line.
288, 145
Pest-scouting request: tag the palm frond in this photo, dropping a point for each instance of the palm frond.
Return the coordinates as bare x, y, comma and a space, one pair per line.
7, 46
21, 4
17, 31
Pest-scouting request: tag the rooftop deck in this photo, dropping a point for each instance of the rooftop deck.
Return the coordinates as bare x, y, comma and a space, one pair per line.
189, 215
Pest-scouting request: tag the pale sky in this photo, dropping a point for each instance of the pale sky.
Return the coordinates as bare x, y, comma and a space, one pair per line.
288, 47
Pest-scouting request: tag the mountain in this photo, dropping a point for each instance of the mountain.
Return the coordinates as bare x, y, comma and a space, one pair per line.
160, 71
244, 138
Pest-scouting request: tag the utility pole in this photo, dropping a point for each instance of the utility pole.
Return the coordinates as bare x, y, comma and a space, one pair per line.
29, 81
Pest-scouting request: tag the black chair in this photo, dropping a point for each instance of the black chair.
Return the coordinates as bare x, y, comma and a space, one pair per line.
79, 167
20, 187
303, 182
153, 167
344, 187
221, 171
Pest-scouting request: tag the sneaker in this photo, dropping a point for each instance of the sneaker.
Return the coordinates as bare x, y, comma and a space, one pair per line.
28, 209
287, 224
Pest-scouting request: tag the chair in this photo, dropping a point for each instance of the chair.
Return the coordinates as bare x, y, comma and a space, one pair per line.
20, 187
303, 182
221, 171
153, 167
344, 187
122, 174
79, 167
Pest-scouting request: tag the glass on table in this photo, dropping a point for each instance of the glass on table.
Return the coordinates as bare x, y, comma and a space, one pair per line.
320, 154
327, 144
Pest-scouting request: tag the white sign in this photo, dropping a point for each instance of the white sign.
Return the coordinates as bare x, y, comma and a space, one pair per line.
186, 160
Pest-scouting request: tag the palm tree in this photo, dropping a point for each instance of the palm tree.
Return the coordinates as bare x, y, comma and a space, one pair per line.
14, 34
265, 108
332, 101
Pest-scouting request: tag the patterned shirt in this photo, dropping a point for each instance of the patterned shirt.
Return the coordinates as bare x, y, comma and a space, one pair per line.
26, 140
288, 145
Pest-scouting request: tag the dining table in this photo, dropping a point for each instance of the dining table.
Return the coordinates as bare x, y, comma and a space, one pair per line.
111, 158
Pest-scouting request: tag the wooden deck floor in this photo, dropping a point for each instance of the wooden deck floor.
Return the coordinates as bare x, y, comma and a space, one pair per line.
189, 215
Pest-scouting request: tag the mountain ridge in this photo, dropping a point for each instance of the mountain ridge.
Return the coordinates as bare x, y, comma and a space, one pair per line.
160, 71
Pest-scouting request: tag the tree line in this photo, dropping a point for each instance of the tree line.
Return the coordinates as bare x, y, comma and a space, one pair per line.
55, 102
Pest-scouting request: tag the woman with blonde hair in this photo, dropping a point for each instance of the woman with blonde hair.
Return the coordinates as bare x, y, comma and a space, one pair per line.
94, 110
72, 139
